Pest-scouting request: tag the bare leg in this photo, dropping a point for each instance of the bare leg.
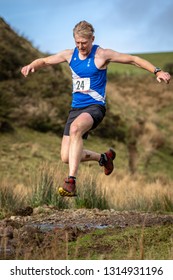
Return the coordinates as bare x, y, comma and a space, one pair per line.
72, 146
72, 152
80, 125
87, 155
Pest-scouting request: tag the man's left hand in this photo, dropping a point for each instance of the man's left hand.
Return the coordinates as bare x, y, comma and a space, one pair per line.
163, 76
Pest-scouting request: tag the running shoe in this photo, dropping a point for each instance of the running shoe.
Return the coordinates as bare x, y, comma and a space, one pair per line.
107, 161
69, 188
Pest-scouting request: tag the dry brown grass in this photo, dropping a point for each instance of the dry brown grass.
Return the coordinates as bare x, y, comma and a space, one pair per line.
122, 190
125, 191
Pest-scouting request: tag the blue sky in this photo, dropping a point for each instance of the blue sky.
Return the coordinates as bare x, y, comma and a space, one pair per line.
129, 26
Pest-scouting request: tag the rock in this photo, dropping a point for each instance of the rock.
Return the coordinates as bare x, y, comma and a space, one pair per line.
26, 211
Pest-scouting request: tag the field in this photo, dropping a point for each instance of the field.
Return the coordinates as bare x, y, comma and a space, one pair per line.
158, 59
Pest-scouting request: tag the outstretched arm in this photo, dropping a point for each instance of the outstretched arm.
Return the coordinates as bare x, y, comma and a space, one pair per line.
46, 61
112, 56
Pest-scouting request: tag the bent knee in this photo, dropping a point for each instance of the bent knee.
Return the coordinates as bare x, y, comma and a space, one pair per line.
75, 130
64, 158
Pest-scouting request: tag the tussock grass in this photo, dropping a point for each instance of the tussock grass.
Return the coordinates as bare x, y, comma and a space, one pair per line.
43, 187
135, 192
119, 191
11, 197
90, 194
45, 183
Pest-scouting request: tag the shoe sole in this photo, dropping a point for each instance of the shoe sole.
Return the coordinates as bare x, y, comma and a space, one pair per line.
63, 192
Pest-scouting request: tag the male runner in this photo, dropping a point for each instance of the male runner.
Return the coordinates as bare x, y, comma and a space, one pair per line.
88, 64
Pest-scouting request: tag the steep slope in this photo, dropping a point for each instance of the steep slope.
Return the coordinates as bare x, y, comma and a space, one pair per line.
41, 101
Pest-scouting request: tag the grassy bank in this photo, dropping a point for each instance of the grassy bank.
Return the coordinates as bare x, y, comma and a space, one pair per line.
153, 243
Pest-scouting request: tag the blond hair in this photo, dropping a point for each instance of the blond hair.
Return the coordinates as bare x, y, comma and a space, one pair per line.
83, 29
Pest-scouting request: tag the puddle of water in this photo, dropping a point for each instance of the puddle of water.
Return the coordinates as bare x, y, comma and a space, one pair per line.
49, 227
97, 226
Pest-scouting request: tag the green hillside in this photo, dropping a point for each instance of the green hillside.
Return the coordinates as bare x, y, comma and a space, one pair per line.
40, 101
161, 60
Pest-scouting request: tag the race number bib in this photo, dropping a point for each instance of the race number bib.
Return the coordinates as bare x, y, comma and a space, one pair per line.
81, 84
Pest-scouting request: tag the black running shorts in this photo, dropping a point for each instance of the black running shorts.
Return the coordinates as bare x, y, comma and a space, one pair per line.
97, 112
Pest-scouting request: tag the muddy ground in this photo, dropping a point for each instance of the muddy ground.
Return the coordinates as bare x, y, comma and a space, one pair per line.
27, 232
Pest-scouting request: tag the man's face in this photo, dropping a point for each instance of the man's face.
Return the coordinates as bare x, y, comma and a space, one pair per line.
83, 44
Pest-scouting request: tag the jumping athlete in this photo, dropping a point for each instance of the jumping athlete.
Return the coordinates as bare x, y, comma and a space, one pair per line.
88, 64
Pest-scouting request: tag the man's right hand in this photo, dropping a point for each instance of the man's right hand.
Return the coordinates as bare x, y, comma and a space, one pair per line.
26, 69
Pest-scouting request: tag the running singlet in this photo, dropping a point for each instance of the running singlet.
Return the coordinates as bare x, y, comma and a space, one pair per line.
89, 82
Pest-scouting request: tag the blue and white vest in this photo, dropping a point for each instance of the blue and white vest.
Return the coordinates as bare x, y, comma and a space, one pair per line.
89, 82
